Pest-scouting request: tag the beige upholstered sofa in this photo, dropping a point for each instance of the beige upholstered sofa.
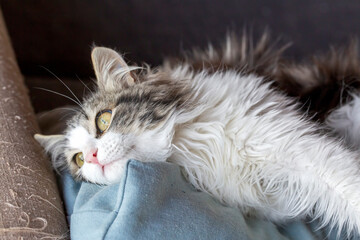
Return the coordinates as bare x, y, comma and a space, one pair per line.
30, 204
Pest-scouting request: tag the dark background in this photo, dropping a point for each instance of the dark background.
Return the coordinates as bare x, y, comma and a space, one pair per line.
59, 34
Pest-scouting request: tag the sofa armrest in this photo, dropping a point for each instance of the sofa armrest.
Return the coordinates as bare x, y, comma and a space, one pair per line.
30, 204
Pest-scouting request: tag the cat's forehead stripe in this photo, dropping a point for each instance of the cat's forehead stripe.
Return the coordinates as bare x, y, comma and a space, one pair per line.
149, 109
83, 113
133, 98
148, 97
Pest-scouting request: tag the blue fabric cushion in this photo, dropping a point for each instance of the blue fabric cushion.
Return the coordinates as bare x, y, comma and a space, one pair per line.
154, 201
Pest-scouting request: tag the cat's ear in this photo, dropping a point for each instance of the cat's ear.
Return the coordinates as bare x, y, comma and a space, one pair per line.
53, 144
49, 141
111, 70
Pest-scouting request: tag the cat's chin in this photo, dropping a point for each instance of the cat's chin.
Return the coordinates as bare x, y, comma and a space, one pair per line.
110, 173
113, 171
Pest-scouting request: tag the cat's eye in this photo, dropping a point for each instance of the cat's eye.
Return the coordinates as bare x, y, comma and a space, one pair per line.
79, 159
103, 120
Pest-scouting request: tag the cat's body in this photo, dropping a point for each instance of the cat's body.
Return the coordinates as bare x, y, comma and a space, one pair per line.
251, 149
235, 137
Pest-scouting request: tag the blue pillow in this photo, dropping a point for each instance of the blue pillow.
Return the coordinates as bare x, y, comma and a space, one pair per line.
154, 201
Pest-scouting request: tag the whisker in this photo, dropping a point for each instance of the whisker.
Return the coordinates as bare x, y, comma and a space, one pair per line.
65, 116
62, 83
60, 94
68, 108
83, 83
44, 114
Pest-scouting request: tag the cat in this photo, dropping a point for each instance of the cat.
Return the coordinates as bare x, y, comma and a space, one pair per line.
329, 88
233, 133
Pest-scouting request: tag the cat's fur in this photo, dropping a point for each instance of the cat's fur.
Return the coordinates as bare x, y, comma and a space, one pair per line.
241, 54
235, 137
329, 88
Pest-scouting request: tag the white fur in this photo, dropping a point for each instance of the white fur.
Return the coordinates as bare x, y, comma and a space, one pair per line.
345, 121
79, 138
249, 148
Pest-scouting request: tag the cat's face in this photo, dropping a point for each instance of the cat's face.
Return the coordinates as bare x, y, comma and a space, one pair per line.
122, 120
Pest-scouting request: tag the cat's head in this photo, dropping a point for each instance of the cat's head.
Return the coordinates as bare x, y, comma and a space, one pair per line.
129, 116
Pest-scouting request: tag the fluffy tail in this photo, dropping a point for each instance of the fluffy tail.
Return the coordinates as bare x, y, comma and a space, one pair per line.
325, 82
237, 53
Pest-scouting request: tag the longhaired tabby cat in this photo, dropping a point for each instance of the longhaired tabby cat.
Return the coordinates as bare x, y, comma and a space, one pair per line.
235, 136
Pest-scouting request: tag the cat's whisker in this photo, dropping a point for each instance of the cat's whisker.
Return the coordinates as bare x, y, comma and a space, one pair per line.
70, 111
60, 94
40, 115
84, 84
65, 116
65, 108
67, 87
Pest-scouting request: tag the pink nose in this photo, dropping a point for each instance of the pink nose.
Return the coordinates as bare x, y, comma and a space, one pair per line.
91, 156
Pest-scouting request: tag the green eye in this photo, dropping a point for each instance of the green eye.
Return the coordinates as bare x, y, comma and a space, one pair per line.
79, 159
103, 120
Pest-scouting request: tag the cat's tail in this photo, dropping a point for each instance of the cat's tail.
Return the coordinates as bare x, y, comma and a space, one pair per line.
240, 53
325, 82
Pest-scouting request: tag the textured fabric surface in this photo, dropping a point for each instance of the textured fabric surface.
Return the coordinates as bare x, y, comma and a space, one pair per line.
154, 201
30, 205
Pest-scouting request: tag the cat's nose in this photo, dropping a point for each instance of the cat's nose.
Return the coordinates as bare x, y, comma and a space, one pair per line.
91, 156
